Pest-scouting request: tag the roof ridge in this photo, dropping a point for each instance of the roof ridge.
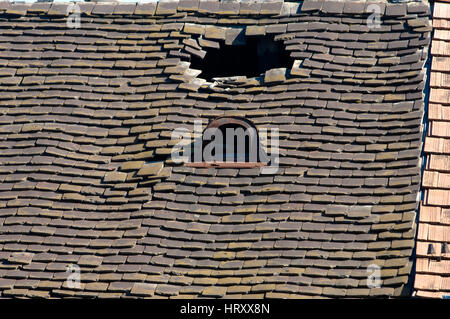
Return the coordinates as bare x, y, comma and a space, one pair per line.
168, 7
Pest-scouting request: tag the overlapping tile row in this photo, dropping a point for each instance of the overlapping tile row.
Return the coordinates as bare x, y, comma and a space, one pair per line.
85, 139
433, 239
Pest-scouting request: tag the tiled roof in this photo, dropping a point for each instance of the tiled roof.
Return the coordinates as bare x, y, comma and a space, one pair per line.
86, 116
433, 253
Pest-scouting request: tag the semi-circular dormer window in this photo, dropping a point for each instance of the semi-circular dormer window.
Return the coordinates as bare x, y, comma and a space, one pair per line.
230, 142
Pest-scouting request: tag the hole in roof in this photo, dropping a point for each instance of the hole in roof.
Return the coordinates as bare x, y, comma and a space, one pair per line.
249, 57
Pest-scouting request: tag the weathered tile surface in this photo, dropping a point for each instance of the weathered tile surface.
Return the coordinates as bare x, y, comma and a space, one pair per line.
86, 116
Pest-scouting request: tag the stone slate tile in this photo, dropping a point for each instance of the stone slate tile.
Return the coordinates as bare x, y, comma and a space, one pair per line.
272, 8
124, 9
188, 5
145, 9
332, 7
308, 6
102, 9
396, 9
353, 7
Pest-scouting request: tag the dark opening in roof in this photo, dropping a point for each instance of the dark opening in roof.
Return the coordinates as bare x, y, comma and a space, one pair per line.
250, 59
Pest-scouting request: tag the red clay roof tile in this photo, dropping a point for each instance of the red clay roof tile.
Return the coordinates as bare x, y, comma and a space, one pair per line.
433, 262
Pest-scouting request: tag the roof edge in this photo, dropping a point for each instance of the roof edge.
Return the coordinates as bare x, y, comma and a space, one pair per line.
170, 7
